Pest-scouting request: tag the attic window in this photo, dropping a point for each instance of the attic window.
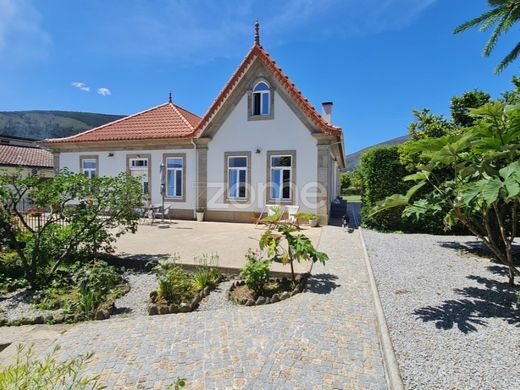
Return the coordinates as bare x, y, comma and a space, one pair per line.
261, 99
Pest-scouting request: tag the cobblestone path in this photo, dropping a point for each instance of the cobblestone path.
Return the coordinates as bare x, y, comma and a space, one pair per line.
323, 338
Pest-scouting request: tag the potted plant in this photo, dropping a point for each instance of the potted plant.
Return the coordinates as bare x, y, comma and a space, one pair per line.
311, 218
200, 215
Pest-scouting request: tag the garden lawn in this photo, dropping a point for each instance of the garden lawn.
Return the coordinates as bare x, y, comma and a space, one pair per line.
449, 311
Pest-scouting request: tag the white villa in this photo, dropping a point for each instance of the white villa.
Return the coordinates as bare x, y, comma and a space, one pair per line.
260, 143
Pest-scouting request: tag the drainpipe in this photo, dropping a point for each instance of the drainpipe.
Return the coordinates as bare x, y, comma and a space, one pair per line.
196, 179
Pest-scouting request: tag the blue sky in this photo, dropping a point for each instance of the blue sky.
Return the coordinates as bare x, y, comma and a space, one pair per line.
376, 59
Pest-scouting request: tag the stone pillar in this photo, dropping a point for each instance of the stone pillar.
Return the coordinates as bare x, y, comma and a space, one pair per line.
202, 176
322, 197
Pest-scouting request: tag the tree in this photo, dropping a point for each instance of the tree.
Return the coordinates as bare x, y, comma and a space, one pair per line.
345, 181
503, 15
356, 178
483, 189
461, 106
74, 216
428, 125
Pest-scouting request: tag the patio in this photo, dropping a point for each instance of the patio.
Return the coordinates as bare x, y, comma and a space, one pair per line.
190, 239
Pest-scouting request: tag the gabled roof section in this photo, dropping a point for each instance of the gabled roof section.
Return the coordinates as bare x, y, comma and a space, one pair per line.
25, 156
257, 52
165, 121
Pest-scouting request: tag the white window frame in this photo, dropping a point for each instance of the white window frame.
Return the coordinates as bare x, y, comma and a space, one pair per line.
236, 190
176, 171
89, 172
133, 167
280, 184
261, 93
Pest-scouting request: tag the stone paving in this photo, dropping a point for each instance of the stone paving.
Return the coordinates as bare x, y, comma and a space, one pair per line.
323, 338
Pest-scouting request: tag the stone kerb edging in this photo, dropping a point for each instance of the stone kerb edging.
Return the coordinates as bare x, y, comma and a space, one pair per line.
392, 373
261, 300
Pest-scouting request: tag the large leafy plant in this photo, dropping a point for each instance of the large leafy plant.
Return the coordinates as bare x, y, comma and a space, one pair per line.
482, 187
299, 247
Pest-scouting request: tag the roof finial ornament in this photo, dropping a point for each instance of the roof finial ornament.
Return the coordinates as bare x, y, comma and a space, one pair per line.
257, 32
170, 98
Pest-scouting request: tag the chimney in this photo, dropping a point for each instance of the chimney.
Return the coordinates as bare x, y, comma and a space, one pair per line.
327, 111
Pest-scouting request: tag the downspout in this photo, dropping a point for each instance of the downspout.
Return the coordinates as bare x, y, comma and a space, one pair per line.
196, 178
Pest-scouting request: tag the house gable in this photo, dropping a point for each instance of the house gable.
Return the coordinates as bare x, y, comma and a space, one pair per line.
259, 65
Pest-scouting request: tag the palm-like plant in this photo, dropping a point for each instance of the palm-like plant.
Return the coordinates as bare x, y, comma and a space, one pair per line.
503, 15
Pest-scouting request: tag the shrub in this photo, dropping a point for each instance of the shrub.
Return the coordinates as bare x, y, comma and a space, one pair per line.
206, 274
49, 374
94, 282
174, 282
382, 175
255, 272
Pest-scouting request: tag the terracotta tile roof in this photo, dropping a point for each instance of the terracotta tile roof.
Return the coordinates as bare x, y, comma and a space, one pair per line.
258, 52
25, 156
162, 122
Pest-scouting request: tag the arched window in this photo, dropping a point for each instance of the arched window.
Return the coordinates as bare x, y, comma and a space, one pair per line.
261, 99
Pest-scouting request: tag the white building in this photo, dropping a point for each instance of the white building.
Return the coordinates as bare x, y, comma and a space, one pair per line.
261, 142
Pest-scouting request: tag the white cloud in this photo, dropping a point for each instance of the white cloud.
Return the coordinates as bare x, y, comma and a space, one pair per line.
104, 91
81, 86
21, 32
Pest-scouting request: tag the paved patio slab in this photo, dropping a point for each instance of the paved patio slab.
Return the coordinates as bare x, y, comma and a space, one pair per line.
190, 239
322, 338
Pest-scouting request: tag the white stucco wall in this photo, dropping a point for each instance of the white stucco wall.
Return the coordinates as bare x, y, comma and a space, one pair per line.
112, 166
284, 132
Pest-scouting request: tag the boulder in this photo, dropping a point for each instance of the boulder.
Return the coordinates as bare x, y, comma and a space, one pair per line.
101, 314
152, 310
284, 295
174, 308
260, 301
153, 296
275, 298
250, 302
164, 309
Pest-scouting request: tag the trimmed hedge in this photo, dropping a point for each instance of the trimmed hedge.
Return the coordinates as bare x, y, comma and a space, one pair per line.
382, 174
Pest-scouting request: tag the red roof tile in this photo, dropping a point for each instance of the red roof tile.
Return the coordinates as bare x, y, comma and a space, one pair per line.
25, 156
258, 52
165, 121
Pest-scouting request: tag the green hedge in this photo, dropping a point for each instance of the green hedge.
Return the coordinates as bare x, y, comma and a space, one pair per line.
382, 174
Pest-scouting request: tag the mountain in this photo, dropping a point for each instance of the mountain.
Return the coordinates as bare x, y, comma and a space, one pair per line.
352, 160
50, 124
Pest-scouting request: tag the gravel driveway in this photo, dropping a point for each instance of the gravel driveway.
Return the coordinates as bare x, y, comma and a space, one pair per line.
449, 311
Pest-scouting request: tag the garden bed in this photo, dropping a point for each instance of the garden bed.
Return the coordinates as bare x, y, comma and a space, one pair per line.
81, 292
275, 290
179, 291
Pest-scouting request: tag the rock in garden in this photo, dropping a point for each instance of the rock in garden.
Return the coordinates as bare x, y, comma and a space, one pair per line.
174, 308
207, 290
184, 308
153, 296
260, 301
152, 310
284, 295
250, 302
101, 314
37, 320
59, 319
164, 309
275, 298
26, 321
